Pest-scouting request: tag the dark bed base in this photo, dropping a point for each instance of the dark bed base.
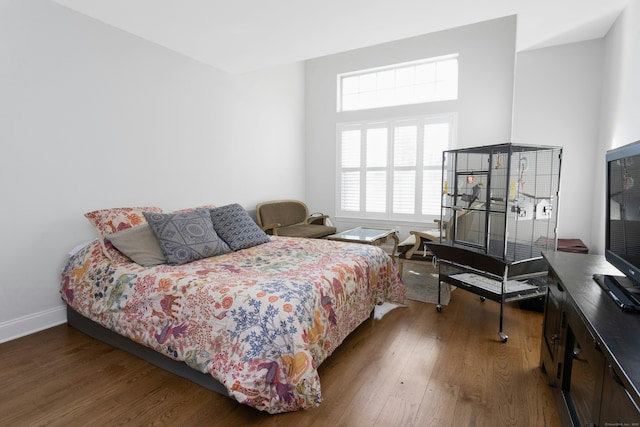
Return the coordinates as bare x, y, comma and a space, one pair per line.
103, 334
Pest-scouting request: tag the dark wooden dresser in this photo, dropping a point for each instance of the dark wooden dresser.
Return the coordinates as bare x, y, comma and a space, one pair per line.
590, 348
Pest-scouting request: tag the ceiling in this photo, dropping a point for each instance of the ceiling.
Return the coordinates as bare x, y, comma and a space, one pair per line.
246, 35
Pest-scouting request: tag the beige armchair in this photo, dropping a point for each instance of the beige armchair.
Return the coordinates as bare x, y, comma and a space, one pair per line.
291, 218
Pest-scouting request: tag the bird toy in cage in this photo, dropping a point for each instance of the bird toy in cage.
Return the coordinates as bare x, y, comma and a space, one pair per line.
522, 166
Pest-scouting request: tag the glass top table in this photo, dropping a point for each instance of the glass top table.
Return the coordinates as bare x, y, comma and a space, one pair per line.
367, 235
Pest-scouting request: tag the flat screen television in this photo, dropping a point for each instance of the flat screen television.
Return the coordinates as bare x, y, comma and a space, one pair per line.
622, 226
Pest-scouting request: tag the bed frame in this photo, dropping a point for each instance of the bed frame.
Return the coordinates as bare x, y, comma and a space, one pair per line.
105, 335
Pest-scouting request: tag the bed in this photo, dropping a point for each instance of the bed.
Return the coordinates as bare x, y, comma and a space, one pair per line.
258, 320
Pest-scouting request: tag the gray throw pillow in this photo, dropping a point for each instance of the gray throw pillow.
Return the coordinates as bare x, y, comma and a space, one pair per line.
140, 244
237, 228
186, 236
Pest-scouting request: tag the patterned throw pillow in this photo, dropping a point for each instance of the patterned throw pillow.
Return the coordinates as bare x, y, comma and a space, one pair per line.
186, 236
109, 221
237, 228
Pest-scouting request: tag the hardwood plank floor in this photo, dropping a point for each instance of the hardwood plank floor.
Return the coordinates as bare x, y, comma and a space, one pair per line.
413, 367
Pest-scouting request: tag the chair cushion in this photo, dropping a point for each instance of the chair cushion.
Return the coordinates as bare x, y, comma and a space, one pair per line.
309, 230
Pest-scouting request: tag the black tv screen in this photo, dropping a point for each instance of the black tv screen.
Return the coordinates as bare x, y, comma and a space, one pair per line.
622, 234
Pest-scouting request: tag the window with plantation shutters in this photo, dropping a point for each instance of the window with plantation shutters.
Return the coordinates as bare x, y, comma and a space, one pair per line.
392, 169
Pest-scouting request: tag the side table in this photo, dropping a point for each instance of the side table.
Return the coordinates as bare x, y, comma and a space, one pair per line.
369, 236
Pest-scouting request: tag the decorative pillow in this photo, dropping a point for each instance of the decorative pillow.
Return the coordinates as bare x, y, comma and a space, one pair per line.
237, 228
186, 236
140, 244
109, 221
193, 209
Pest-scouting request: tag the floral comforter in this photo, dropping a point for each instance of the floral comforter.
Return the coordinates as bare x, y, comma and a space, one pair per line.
259, 320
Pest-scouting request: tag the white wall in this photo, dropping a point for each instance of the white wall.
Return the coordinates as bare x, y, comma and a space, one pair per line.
585, 97
557, 102
620, 120
92, 117
486, 62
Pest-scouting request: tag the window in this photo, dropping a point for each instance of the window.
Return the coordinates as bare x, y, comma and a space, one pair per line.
392, 169
428, 80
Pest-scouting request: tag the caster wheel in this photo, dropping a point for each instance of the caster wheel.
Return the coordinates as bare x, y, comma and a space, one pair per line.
503, 337
482, 299
438, 308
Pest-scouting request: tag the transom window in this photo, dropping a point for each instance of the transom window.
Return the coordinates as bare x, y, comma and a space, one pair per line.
392, 169
428, 80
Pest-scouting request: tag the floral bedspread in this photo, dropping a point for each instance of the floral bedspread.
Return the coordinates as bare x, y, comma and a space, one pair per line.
259, 320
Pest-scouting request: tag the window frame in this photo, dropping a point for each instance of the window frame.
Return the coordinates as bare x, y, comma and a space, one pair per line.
396, 67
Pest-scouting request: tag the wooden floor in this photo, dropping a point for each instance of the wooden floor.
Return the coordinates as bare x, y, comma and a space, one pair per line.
413, 367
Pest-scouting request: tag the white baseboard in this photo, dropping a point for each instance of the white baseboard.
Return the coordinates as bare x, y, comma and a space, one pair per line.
35, 322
